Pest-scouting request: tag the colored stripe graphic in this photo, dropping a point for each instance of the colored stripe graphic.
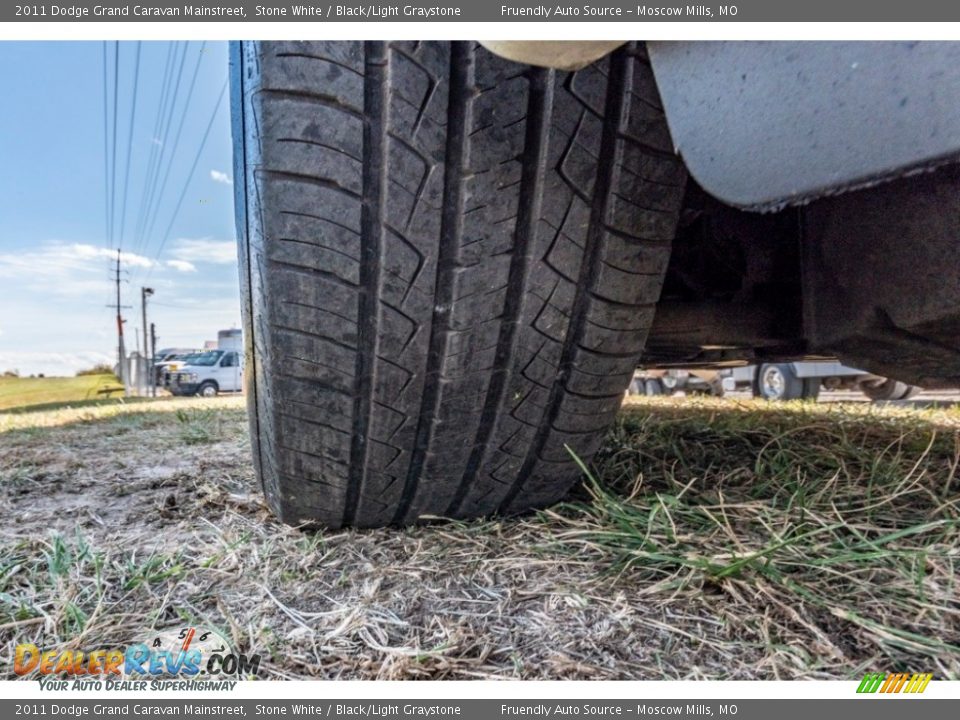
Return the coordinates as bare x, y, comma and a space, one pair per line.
894, 683
188, 640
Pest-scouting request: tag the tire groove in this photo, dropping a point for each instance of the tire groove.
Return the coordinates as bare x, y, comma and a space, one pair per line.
539, 111
326, 59
296, 269
313, 335
451, 228
375, 101
328, 101
317, 246
325, 310
317, 143
317, 363
320, 218
320, 182
589, 269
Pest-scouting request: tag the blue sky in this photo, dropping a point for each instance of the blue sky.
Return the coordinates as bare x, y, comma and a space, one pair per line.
54, 246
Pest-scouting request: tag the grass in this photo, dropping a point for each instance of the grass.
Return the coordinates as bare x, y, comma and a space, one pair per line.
847, 521
18, 393
199, 426
710, 539
117, 411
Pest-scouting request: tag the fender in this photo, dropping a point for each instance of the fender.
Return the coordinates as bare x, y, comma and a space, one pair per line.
762, 125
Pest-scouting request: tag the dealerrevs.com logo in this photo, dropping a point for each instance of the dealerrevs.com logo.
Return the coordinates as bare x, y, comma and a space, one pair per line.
186, 658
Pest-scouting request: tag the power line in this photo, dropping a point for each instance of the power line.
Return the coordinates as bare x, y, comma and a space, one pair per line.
176, 143
155, 137
193, 168
151, 192
113, 155
133, 116
106, 152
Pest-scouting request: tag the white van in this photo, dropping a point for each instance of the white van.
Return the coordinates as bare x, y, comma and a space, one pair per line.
209, 373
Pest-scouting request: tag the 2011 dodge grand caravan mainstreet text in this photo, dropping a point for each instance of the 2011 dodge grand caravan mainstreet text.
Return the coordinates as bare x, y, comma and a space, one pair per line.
452, 262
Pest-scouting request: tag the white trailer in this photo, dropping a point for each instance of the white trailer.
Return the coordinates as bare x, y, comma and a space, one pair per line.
804, 380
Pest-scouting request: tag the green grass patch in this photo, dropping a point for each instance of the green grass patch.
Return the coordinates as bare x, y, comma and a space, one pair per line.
199, 426
845, 518
17, 393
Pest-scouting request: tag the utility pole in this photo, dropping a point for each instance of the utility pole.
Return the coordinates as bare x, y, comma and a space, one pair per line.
153, 360
145, 292
121, 350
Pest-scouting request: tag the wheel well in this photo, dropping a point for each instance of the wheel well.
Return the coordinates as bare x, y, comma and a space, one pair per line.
860, 277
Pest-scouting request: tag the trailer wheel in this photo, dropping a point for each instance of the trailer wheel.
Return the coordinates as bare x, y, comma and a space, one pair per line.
778, 381
449, 263
888, 390
912, 390
653, 387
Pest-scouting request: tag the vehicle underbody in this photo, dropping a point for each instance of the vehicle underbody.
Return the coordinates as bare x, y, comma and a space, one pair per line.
867, 277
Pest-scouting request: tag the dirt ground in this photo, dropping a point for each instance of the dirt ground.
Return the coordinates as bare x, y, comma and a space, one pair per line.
721, 539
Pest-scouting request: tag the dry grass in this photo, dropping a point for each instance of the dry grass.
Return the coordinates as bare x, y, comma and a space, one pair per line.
714, 539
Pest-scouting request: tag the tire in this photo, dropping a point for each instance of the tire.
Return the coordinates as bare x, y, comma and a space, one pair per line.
778, 381
208, 389
443, 287
653, 387
716, 388
707, 389
887, 390
912, 391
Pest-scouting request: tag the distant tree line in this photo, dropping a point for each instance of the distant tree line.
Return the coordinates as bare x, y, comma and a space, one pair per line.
101, 369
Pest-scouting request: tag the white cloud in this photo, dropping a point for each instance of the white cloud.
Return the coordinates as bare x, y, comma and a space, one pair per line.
92, 251
182, 265
54, 297
220, 177
200, 250
66, 268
